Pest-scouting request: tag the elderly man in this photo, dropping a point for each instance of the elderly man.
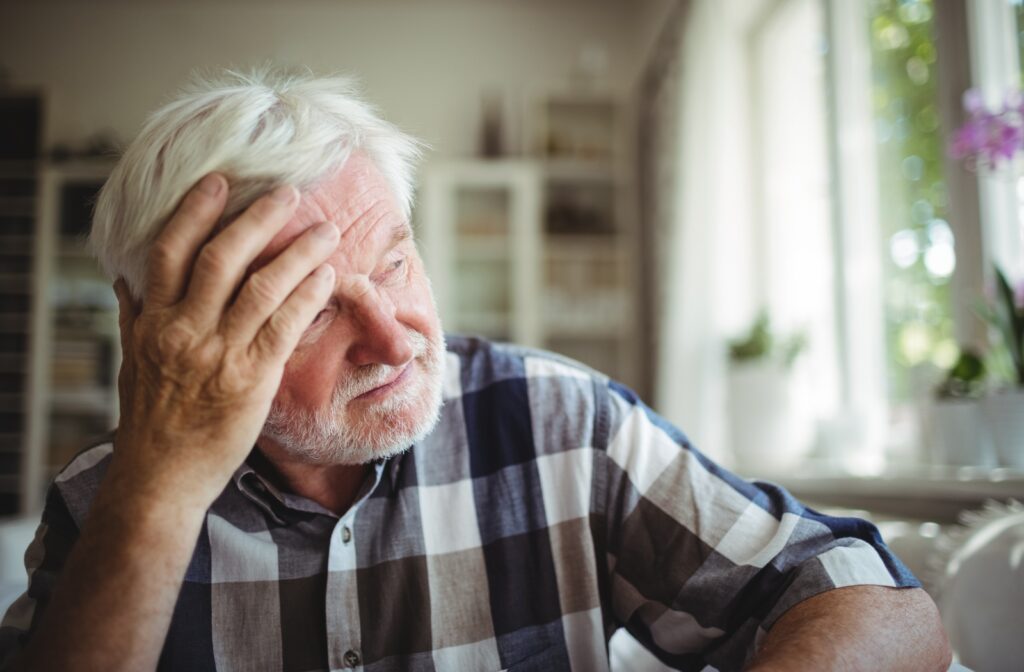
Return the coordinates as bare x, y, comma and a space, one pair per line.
305, 478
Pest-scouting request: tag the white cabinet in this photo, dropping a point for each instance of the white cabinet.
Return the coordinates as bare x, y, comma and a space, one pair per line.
590, 232
542, 251
75, 347
481, 242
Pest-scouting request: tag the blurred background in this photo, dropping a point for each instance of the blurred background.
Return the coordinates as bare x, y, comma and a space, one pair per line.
793, 226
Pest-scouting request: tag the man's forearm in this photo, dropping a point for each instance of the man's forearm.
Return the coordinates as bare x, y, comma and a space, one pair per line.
112, 606
857, 628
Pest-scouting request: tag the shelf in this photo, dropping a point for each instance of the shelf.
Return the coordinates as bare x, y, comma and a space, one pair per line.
15, 282
18, 206
98, 401
12, 363
490, 248
75, 250
486, 323
571, 169
597, 329
15, 245
19, 169
602, 246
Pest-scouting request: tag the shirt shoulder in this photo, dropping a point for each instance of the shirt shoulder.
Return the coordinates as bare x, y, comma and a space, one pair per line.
550, 401
475, 363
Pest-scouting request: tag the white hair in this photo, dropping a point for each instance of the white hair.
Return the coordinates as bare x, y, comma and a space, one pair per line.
260, 129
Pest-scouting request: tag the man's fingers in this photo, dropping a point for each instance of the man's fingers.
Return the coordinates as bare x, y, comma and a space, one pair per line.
266, 289
174, 251
222, 262
281, 332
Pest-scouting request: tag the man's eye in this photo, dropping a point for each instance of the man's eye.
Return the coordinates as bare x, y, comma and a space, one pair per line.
391, 270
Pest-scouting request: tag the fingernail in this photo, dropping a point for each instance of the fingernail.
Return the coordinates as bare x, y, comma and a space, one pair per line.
210, 185
283, 194
326, 230
324, 272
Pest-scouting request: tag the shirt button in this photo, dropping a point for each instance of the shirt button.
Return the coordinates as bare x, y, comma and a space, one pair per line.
346, 536
351, 658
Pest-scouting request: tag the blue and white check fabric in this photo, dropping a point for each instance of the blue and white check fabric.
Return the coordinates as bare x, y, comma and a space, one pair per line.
549, 508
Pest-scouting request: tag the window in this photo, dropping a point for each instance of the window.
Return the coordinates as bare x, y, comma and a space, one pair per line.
919, 246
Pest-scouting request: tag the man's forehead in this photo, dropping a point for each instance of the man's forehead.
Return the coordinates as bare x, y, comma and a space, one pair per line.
342, 198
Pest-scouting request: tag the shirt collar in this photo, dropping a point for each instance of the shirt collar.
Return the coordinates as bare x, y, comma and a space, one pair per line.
253, 481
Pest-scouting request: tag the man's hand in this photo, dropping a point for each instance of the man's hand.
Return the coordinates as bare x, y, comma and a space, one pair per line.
858, 628
204, 355
203, 358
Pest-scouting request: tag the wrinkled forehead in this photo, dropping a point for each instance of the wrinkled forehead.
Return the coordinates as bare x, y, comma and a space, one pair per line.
355, 197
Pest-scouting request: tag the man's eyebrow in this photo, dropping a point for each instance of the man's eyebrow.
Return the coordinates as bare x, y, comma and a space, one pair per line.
400, 233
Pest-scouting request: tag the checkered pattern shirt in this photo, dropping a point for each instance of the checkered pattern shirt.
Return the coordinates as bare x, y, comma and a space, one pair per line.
549, 508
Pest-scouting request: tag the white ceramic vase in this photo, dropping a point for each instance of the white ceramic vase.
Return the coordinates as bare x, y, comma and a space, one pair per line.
959, 435
762, 428
1004, 412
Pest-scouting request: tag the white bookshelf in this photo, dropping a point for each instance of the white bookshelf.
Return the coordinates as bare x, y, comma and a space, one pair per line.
478, 228
75, 347
590, 229
542, 251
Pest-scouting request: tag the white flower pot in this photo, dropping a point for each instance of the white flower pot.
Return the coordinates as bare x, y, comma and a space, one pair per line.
1004, 411
958, 434
762, 427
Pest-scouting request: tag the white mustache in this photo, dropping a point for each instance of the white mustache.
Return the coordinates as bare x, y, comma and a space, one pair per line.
373, 376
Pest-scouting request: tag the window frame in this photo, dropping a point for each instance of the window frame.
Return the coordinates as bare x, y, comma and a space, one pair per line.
979, 50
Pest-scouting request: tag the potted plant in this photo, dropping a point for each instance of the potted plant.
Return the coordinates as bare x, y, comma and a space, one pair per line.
1004, 406
958, 432
990, 140
765, 434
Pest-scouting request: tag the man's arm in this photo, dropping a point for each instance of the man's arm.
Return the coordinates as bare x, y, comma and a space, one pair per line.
203, 357
857, 628
705, 564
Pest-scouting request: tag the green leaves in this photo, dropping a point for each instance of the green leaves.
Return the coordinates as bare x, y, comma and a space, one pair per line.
761, 343
966, 379
1010, 322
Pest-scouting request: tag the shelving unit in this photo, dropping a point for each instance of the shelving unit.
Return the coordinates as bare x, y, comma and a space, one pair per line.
589, 230
76, 348
542, 251
481, 244
20, 142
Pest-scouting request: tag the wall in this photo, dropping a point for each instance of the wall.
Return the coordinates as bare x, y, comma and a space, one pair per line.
425, 63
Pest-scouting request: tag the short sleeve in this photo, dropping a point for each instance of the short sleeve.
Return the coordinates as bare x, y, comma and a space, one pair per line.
44, 561
701, 562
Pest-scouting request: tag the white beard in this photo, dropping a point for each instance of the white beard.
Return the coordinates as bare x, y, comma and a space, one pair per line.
386, 428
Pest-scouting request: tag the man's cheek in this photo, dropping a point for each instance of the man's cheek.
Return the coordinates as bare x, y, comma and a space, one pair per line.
309, 378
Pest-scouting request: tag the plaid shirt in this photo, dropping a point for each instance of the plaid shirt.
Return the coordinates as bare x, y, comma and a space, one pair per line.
548, 508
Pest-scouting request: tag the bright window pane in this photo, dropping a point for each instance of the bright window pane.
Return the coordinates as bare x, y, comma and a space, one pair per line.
919, 247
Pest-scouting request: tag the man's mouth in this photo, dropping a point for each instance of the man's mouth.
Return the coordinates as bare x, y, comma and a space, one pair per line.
383, 389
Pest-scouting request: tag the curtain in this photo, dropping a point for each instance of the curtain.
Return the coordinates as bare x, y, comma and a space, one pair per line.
697, 215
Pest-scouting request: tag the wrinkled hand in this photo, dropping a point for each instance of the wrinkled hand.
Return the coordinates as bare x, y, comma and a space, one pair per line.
205, 351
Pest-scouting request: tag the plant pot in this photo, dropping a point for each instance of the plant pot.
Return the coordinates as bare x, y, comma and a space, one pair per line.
958, 434
1004, 412
762, 428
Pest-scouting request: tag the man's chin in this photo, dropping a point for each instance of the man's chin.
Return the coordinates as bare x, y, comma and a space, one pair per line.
378, 433
364, 429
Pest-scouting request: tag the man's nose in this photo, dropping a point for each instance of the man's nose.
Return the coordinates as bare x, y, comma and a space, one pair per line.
380, 337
